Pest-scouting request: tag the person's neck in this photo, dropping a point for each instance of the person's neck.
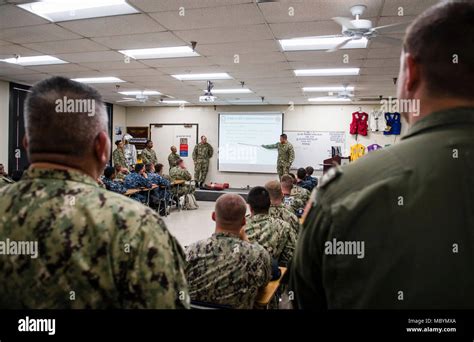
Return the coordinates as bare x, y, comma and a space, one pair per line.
228, 231
431, 104
276, 202
286, 191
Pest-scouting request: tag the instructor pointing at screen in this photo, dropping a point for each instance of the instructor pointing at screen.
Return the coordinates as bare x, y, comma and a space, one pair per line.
286, 155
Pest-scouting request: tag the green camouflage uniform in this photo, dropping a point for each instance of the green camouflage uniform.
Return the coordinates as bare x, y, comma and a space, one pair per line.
96, 249
286, 156
283, 213
275, 235
149, 156
301, 193
227, 270
5, 181
118, 157
173, 159
201, 155
294, 204
176, 173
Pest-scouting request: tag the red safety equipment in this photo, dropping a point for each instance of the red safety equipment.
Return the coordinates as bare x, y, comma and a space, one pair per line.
359, 123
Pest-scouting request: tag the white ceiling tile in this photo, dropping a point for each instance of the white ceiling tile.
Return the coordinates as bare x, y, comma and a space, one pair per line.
406, 7
52, 69
39, 33
222, 16
140, 41
66, 46
305, 29
248, 58
174, 5
177, 62
135, 72
192, 69
338, 57
255, 46
13, 16
12, 69
113, 26
31, 78
9, 51
98, 56
388, 52
226, 34
113, 65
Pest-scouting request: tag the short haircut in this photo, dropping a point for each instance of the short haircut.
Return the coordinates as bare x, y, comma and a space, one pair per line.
435, 39
117, 142
139, 167
292, 175
301, 173
259, 200
50, 130
309, 170
284, 136
148, 141
158, 167
148, 167
118, 167
179, 161
230, 211
286, 181
274, 190
109, 171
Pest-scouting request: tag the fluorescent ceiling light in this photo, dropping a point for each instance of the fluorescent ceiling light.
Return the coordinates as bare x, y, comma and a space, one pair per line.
329, 88
198, 77
98, 80
167, 52
247, 101
140, 92
329, 99
328, 72
230, 91
34, 60
63, 10
174, 101
321, 43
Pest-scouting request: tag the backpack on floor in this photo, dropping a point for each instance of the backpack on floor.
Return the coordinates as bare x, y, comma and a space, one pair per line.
190, 202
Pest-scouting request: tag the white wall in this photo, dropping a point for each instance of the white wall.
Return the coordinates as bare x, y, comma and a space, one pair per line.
119, 117
310, 117
4, 114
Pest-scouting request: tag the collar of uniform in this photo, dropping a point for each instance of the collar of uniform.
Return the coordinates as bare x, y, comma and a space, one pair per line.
450, 116
258, 217
281, 205
69, 175
226, 234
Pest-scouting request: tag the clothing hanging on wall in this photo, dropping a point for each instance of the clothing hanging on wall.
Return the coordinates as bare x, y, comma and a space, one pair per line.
357, 151
359, 123
394, 125
374, 147
376, 121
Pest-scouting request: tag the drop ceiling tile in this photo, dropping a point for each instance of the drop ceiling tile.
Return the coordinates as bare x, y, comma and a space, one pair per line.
9, 51
37, 33
52, 69
244, 59
406, 7
113, 26
113, 65
226, 34
140, 41
305, 29
99, 56
177, 62
255, 46
13, 16
174, 5
66, 46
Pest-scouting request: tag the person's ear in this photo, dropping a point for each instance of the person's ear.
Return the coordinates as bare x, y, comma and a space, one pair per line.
102, 148
213, 216
412, 74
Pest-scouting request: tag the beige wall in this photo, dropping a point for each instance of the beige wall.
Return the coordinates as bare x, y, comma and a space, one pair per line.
4, 114
311, 117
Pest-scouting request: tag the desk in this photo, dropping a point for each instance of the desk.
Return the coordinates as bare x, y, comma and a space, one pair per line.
178, 182
130, 192
266, 294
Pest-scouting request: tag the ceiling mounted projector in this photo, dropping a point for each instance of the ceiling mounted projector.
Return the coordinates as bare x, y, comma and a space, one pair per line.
208, 97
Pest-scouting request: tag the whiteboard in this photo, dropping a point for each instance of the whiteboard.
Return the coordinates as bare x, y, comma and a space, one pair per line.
183, 136
312, 147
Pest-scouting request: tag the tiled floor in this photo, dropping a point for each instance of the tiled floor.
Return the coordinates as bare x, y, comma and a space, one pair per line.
189, 226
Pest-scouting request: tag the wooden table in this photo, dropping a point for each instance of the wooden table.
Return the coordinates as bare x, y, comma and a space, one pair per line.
130, 192
266, 294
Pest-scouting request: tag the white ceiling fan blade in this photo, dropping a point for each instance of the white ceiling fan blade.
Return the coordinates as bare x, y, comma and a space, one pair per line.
388, 40
399, 27
340, 45
127, 99
346, 22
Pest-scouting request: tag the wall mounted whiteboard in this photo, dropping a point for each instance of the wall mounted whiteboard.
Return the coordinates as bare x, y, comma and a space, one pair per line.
312, 147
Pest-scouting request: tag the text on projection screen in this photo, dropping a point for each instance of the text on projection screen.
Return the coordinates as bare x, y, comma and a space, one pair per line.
241, 136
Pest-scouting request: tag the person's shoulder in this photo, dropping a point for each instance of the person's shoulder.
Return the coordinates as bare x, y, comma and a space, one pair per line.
276, 221
376, 169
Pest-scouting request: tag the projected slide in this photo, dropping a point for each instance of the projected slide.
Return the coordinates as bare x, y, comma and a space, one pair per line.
241, 136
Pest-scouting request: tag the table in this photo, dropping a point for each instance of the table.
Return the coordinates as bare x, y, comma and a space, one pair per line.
266, 294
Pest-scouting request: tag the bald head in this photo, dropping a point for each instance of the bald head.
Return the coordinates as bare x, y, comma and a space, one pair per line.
229, 213
274, 190
173, 149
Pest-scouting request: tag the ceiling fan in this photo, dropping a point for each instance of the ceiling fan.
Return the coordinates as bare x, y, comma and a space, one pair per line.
343, 94
138, 98
355, 29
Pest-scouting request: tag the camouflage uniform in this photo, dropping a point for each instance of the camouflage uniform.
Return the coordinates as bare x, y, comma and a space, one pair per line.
118, 157
176, 173
5, 181
281, 212
149, 156
227, 270
96, 249
173, 159
111, 185
136, 181
294, 204
301, 193
163, 192
120, 177
286, 156
201, 155
275, 235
